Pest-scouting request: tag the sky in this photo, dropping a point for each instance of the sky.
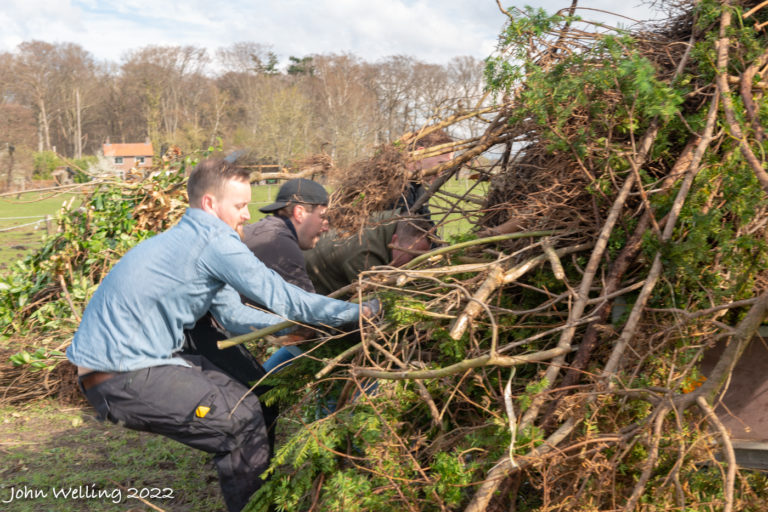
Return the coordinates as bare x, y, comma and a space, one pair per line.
433, 31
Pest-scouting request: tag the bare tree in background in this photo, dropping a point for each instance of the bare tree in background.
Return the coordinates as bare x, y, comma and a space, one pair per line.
467, 83
17, 130
34, 74
244, 64
345, 107
166, 81
76, 92
338, 104
282, 131
393, 82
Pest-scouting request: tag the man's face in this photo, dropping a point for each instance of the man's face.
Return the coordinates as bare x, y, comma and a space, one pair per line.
231, 203
309, 225
432, 161
429, 162
401, 257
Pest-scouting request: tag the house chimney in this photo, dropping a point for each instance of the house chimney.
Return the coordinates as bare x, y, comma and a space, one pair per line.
107, 141
147, 140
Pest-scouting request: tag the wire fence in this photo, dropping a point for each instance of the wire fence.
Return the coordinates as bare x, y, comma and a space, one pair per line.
20, 218
42, 219
19, 226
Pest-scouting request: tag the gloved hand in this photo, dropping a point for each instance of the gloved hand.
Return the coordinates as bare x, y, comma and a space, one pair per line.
371, 308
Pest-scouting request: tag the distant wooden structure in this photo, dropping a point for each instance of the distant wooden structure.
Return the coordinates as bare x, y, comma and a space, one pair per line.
63, 175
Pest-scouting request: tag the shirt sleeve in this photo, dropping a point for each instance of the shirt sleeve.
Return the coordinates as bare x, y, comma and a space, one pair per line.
227, 259
370, 252
235, 316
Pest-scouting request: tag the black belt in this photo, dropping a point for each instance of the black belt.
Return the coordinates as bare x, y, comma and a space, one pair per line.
92, 379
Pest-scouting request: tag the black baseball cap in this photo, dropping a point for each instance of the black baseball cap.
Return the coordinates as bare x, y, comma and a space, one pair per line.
298, 190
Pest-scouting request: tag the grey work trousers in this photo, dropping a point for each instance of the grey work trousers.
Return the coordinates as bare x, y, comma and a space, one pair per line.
193, 405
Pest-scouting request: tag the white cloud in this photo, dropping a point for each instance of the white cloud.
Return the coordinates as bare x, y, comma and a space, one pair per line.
431, 30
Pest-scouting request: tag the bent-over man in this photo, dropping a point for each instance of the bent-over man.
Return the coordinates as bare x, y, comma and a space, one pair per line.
335, 263
297, 221
126, 348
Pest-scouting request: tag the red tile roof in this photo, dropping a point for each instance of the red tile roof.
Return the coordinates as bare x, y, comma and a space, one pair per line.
132, 149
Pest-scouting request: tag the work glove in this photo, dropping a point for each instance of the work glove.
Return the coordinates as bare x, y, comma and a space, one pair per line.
374, 308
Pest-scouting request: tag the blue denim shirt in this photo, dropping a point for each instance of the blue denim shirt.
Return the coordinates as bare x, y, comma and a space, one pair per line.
163, 285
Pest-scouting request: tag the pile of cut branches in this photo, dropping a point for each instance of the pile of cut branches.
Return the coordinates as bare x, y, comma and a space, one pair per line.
43, 295
553, 362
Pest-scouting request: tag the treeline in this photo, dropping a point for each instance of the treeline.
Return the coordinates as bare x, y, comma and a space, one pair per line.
58, 97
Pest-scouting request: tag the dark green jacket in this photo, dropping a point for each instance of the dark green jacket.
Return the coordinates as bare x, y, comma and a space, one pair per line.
334, 263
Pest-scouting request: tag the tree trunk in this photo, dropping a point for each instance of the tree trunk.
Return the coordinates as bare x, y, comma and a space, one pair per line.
9, 178
44, 128
78, 127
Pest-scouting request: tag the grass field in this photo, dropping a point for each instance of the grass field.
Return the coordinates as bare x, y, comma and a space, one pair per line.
60, 458
456, 223
22, 220
23, 226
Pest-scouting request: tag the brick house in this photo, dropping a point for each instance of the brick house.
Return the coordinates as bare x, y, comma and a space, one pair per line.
128, 156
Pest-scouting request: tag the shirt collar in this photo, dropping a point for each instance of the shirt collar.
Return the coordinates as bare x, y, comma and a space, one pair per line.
203, 217
289, 224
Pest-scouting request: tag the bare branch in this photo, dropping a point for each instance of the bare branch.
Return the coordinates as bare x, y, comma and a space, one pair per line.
730, 456
478, 362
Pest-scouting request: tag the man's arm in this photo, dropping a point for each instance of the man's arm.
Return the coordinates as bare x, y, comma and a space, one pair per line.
236, 317
229, 260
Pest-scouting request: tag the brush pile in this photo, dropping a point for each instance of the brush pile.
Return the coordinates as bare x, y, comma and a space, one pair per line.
42, 296
552, 362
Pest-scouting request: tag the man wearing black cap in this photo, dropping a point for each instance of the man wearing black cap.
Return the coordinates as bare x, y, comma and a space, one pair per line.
298, 220
277, 240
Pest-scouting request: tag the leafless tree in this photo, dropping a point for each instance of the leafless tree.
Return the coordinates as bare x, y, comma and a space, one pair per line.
393, 82
345, 108
76, 87
339, 104
34, 69
167, 82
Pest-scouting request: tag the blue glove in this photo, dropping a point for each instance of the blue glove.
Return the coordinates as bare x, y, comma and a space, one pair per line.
374, 306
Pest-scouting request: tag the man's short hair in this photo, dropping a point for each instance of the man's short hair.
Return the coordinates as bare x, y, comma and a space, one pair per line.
287, 210
432, 139
209, 176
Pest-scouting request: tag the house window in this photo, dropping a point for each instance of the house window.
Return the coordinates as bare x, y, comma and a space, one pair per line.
140, 160
118, 160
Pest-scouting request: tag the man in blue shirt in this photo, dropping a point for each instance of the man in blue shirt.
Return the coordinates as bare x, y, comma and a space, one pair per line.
126, 348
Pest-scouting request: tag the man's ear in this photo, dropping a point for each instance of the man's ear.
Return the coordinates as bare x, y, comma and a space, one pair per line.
208, 203
299, 212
